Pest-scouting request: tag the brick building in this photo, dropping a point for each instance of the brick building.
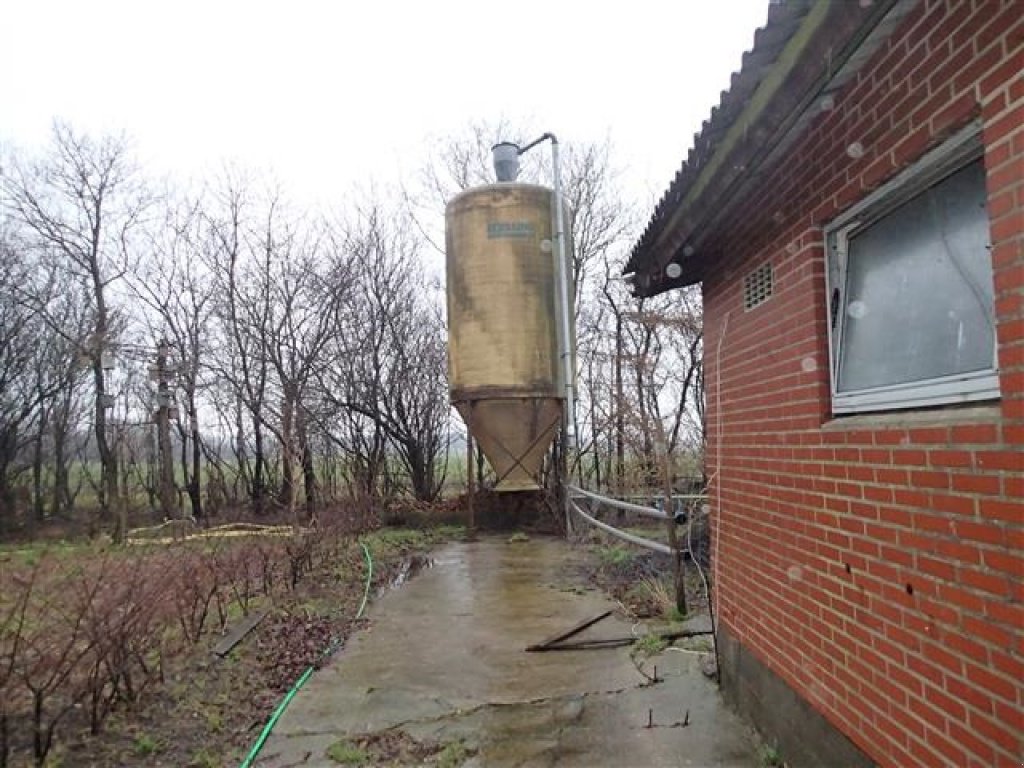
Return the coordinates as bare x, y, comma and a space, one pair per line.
854, 212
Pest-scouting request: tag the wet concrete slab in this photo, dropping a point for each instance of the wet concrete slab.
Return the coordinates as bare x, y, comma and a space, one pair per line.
444, 660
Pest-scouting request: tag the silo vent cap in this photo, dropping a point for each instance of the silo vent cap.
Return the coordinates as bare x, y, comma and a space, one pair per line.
506, 160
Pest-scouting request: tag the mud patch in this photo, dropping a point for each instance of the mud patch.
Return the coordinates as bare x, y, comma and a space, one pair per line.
395, 747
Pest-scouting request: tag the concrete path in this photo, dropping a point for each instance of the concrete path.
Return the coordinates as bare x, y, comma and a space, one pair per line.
443, 660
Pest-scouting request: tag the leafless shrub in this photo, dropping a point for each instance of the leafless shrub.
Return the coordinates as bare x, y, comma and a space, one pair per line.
238, 573
267, 553
17, 591
192, 594
299, 547
53, 643
125, 622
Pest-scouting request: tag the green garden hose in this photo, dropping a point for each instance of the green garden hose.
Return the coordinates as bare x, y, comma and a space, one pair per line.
265, 733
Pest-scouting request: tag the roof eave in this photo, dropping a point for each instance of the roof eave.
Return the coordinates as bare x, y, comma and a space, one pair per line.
830, 43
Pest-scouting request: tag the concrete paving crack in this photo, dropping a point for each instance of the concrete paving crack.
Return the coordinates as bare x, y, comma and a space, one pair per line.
461, 712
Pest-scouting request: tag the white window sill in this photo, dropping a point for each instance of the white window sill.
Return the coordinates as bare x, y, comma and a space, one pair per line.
989, 413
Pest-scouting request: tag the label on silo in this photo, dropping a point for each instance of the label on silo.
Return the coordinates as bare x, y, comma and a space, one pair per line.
500, 229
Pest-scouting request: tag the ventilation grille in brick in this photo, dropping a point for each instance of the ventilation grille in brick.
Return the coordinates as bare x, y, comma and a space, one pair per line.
757, 286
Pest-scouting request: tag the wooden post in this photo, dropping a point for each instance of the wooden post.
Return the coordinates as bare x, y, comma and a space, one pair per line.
563, 475
678, 569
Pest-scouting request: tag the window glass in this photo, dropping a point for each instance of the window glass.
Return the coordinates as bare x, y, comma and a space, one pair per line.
918, 301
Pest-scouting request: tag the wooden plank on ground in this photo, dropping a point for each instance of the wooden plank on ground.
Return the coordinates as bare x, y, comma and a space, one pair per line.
616, 642
574, 630
238, 632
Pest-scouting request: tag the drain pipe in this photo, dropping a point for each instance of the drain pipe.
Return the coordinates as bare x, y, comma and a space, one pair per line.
565, 300
717, 478
506, 166
562, 272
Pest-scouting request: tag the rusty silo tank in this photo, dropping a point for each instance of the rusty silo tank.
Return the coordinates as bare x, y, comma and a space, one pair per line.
503, 359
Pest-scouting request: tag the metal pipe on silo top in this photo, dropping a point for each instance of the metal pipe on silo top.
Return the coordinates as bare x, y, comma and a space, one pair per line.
506, 160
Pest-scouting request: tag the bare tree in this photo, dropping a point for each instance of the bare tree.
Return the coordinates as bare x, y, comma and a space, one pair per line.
418, 422
82, 203
641, 378
305, 290
602, 223
24, 387
61, 388
683, 321
390, 343
176, 287
243, 314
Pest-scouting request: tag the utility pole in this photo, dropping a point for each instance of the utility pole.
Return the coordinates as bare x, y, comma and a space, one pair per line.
108, 442
163, 430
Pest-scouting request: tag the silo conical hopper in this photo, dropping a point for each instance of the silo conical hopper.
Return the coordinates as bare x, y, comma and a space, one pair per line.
502, 343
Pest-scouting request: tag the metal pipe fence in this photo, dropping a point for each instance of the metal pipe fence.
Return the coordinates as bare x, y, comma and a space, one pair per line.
657, 546
617, 503
575, 494
573, 497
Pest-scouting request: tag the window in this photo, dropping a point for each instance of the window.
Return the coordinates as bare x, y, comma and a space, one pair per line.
911, 312
757, 286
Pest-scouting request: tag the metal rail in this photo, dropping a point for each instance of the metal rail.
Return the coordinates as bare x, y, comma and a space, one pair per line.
575, 493
618, 503
674, 496
657, 546
572, 496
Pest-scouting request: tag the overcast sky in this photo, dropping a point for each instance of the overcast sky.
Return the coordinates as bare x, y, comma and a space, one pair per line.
331, 94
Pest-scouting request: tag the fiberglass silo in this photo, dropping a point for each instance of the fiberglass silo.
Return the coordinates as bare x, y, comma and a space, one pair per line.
503, 362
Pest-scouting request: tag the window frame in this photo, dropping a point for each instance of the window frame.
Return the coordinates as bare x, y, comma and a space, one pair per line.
958, 152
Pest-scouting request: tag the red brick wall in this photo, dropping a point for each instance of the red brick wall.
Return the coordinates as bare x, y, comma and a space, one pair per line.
876, 562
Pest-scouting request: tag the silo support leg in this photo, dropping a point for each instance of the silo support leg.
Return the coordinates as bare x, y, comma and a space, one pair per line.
471, 513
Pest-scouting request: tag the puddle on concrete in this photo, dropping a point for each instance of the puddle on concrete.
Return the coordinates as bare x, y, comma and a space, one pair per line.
443, 659
408, 569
